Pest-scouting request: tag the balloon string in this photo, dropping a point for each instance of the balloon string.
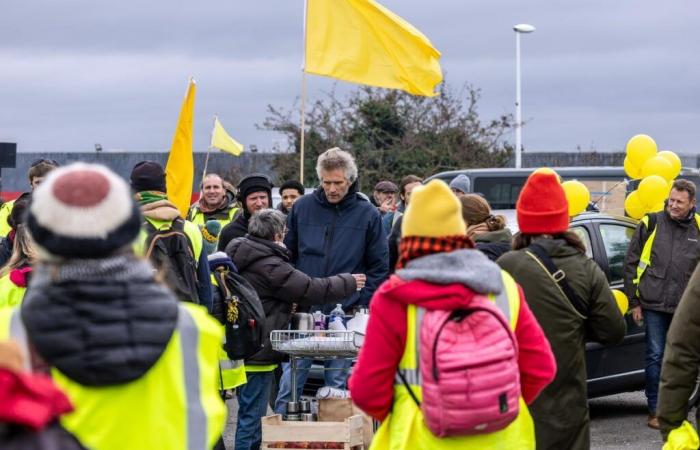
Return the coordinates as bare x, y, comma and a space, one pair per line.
625, 181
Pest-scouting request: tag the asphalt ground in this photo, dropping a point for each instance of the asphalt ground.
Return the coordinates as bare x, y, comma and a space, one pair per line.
617, 422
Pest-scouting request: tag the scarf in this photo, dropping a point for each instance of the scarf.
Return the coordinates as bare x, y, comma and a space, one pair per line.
477, 229
155, 205
412, 247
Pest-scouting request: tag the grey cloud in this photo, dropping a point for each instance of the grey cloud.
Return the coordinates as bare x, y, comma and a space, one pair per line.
594, 73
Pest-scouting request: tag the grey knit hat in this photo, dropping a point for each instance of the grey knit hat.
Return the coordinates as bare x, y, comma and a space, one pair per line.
461, 183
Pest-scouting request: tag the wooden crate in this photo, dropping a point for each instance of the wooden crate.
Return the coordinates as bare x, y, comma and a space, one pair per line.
348, 432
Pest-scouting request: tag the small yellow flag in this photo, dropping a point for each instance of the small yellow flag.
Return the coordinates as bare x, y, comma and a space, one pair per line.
179, 171
220, 139
363, 42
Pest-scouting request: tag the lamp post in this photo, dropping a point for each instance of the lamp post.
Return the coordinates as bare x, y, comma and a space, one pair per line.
519, 29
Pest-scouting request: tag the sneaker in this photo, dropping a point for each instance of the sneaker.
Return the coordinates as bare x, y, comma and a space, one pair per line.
653, 422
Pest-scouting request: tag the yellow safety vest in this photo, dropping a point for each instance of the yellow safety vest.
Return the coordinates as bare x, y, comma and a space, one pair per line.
191, 230
11, 295
405, 429
197, 217
5, 210
232, 372
174, 406
645, 257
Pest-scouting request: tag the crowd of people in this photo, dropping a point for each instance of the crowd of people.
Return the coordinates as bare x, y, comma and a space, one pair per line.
119, 312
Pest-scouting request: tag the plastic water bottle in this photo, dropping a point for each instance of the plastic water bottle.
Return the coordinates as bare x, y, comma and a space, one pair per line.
337, 318
319, 321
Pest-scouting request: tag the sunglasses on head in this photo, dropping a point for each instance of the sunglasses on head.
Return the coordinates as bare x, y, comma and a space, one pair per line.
44, 161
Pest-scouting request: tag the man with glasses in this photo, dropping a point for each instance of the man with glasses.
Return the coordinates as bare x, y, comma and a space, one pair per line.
36, 174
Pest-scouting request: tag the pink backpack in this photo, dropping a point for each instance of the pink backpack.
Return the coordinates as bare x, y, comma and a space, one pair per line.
469, 370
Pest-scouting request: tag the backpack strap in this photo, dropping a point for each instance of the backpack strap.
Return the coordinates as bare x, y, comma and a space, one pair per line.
558, 276
408, 387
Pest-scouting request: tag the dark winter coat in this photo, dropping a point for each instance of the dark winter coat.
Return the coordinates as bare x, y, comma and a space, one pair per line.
394, 242
326, 239
236, 229
561, 411
681, 360
110, 310
674, 255
265, 265
494, 243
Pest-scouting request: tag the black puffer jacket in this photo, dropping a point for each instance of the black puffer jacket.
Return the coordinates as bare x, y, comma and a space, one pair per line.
267, 268
100, 322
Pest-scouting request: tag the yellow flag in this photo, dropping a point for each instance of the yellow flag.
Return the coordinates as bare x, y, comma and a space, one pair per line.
220, 139
179, 171
363, 42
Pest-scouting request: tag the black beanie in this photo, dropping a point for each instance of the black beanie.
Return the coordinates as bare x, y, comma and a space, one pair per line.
148, 176
255, 182
292, 184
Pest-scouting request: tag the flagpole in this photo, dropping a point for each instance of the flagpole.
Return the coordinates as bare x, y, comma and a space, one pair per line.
303, 98
211, 138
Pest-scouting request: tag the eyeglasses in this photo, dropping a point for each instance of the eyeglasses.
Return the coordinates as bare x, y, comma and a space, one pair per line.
52, 162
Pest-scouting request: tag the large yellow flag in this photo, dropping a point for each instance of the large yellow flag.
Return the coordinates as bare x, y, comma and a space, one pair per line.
179, 171
363, 42
220, 139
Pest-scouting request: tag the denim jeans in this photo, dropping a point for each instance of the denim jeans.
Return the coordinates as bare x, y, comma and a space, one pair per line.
333, 378
656, 324
252, 406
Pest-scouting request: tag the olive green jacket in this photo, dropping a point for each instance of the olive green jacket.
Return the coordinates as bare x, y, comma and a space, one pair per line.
681, 359
561, 411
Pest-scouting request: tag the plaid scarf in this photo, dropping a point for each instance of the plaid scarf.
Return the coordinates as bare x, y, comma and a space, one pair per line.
412, 247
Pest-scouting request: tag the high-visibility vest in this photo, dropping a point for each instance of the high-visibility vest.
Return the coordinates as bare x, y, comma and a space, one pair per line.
645, 257
232, 371
5, 210
174, 406
11, 295
405, 429
197, 217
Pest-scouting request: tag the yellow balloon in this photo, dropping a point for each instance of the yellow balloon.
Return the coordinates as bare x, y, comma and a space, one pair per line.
548, 171
577, 195
656, 208
652, 190
674, 160
640, 148
621, 300
633, 206
632, 171
658, 165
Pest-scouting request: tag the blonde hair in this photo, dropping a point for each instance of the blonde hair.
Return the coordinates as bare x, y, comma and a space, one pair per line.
476, 210
23, 251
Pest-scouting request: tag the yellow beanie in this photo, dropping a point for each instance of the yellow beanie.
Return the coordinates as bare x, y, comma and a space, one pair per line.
434, 211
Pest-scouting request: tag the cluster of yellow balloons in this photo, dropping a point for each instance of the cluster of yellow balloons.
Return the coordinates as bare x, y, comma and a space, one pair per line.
657, 170
577, 194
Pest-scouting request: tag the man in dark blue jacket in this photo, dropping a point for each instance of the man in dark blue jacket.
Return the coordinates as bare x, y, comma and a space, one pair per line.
335, 230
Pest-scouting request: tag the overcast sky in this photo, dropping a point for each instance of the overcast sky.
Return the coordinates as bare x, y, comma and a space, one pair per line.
76, 72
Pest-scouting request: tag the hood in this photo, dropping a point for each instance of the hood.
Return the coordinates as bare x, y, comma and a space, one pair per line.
503, 235
160, 210
445, 280
557, 248
351, 197
248, 250
100, 322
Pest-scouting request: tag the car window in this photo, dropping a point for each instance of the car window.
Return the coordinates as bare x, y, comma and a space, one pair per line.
616, 238
583, 234
500, 192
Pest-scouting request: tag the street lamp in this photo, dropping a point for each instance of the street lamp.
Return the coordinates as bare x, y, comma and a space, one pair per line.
519, 29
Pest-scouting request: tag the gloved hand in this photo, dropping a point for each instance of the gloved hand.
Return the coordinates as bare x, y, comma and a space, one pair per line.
682, 438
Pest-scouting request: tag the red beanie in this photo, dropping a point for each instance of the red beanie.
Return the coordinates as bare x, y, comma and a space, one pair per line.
542, 206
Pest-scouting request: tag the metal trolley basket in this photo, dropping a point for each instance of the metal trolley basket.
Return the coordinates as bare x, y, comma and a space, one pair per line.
316, 344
